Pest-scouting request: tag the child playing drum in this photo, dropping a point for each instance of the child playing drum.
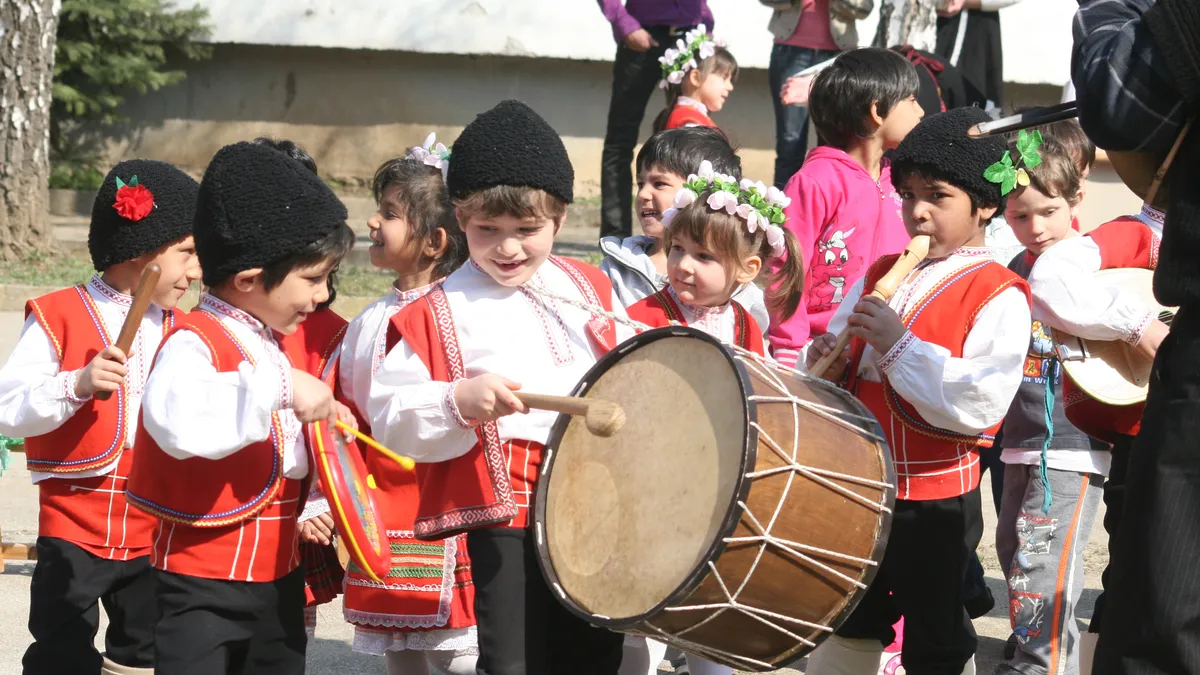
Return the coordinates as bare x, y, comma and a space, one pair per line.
423, 615
938, 365
719, 235
446, 392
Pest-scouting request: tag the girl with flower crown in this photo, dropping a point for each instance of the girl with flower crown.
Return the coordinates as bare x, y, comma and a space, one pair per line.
720, 233
698, 74
422, 616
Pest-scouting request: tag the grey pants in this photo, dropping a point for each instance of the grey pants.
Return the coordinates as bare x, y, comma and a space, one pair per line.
1042, 555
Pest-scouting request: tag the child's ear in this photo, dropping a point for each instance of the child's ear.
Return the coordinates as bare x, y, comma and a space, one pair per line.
436, 245
874, 115
694, 78
558, 223
986, 213
749, 271
246, 280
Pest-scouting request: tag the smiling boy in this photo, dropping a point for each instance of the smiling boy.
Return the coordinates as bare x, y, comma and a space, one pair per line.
938, 365
445, 391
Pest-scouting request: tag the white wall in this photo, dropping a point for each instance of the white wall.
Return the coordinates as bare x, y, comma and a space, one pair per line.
1037, 33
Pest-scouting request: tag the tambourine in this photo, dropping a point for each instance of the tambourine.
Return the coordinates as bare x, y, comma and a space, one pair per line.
348, 486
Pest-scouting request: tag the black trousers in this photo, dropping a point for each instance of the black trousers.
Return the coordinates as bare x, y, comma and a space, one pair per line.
1151, 621
64, 611
1114, 504
921, 578
523, 629
212, 627
635, 79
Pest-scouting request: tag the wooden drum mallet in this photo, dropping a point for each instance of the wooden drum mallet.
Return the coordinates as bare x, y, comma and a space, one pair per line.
133, 320
603, 418
910, 257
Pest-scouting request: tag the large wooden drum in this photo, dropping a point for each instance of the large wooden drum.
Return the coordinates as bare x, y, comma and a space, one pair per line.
740, 514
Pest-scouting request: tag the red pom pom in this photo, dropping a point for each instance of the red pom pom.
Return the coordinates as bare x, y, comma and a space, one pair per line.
134, 202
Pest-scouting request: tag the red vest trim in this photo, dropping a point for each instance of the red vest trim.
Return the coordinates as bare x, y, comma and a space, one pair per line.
1124, 242
182, 491
587, 279
502, 507
94, 436
683, 115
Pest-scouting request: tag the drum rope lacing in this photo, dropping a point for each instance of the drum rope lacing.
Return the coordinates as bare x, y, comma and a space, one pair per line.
767, 373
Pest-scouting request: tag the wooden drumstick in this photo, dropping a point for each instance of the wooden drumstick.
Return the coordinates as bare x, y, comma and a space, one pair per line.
910, 257
603, 418
133, 320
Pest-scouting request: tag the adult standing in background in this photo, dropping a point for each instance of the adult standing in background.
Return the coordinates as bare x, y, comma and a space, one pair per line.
807, 32
643, 30
969, 38
911, 22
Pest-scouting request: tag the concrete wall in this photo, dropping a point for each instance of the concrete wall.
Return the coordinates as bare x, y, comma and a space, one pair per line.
352, 109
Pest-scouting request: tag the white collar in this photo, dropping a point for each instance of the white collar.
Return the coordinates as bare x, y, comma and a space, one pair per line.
221, 308
695, 310
1153, 218
414, 294
99, 287
692, 103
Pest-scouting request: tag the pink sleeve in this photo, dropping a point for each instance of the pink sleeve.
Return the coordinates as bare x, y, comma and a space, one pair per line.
806, 217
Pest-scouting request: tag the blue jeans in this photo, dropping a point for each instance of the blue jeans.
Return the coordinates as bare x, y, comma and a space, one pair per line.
791, 121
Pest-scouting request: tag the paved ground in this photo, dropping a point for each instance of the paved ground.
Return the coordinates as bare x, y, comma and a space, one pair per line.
330, 653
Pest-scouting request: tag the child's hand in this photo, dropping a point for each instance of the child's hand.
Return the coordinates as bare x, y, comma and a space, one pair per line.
312, 400
345, 416
1152, 337
317, 530
876, 323
106, 372
821, 347
486, 398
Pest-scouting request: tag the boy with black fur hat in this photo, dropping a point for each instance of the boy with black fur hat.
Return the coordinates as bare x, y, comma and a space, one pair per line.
79, 448
445, 391
222, 460
938, 365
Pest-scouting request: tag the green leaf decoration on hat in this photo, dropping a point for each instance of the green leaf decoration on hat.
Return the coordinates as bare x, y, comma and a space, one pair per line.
1027, 145
1007, 173
132, 182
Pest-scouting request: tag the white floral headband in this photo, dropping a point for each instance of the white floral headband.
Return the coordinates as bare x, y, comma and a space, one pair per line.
695, 46
755, 203
437, 156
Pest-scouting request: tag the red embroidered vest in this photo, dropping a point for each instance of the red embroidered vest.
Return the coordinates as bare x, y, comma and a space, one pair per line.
94, 436
931, 462
683, 115
477, 489
1123, 242
661, 310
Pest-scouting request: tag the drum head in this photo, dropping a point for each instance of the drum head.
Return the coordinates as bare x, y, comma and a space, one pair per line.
344, 480
629, 521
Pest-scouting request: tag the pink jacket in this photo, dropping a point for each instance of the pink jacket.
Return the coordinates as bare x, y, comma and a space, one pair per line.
843, 221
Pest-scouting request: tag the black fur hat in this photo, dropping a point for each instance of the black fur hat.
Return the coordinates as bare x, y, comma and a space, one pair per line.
510, 145
257, 205
939, 148
141, 206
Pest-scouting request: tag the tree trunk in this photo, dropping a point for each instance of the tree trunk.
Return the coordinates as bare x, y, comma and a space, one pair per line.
27, 39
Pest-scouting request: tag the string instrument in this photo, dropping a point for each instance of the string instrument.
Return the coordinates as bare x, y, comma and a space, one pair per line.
1112, 371
910, 257
133, 320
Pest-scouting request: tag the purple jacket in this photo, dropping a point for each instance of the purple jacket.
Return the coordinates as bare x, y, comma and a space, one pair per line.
634, 14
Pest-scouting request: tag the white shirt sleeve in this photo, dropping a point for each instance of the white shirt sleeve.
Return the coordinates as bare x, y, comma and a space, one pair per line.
35, 398
972, 393
191, 410
1067, 297
413, 414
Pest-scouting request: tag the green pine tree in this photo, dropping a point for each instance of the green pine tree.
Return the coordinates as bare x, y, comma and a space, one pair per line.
109, 49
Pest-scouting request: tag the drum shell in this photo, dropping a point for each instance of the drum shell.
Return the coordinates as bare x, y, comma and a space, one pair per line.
786, 601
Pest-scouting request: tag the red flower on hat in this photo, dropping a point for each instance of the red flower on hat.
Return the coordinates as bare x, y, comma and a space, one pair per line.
134, 201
